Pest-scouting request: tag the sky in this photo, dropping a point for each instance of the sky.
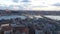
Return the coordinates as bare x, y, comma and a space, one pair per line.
52, 5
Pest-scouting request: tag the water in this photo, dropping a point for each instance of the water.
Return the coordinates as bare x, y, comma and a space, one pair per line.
53, 17
23, 17
12, 16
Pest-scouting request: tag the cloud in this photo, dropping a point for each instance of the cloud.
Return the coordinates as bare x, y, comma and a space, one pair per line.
25, 1
15, 1
56, 4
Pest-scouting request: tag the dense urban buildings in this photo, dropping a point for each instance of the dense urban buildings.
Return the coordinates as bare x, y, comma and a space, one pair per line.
22, 22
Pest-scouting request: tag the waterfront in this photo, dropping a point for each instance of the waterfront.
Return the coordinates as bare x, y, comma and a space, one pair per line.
37, 24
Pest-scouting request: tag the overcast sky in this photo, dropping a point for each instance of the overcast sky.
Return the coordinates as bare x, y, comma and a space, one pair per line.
30, 4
